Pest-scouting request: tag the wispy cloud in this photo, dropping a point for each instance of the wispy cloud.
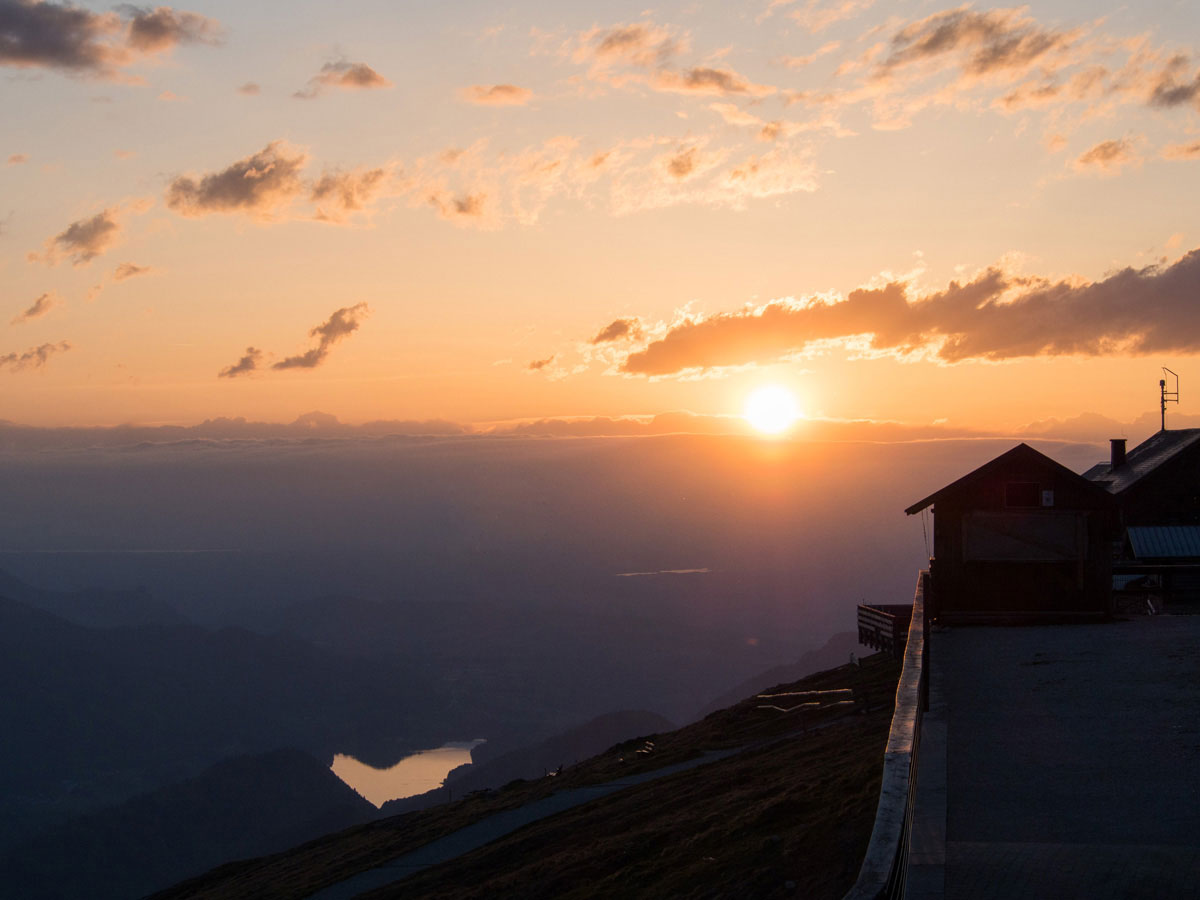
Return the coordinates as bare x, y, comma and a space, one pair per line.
38, 308
995, 316
17, 159
1108, 157
496, 94
619, 330
129, 270
338, 194
76, 40
341, 324
83, 240
243, 366
344, 75
256, 185
1182, 151
34, 358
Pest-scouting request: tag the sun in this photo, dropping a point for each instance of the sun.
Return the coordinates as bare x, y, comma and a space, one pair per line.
772, 409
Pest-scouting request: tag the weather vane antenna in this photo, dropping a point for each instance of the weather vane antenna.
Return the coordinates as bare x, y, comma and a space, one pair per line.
1167, 396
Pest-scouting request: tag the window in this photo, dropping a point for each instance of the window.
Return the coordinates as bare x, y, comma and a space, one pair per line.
1022, 494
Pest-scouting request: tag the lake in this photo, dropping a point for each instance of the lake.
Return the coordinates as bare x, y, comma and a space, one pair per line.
414, 774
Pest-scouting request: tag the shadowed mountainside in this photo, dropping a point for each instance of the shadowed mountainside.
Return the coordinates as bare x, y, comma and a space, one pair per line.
491, 771
239, 808
790, 815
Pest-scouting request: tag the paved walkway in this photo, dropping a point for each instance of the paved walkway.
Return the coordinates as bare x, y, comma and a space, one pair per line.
1061, 762
500, 824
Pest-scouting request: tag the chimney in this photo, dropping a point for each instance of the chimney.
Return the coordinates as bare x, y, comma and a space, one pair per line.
1118, 452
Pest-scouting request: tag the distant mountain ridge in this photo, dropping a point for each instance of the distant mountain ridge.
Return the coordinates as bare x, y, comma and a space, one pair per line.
95, 607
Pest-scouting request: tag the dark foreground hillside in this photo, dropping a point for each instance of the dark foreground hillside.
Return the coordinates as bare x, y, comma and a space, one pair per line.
788, 815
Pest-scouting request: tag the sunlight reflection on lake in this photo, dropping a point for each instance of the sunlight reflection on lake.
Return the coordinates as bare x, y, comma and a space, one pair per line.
422, 771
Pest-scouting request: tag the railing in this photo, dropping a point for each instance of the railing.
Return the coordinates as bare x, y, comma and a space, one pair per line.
885, 866
884, 626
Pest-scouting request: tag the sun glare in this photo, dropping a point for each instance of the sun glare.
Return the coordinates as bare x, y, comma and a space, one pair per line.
771, 409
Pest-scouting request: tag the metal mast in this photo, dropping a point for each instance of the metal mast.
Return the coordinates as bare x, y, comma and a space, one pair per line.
1167, 396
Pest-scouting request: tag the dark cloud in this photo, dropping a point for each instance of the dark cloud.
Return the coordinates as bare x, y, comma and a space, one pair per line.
256, 184
993, 41
128, 270
538, 364
619, 330
40, 307
341, 324
339, 193
705, 80
497, 94
643, 44
243, 366
33, 358
343, 74
84, 240
62, 36
161, 28
996, 316
1174, 86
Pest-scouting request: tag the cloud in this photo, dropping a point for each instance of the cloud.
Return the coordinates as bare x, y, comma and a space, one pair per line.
128, 270
683, 163
1168, 90
459, 208
1182, 151
619, 330
342, 323
34, 358
817, 16
981, 43
538, 364
159, 29
707, 80
496, 94
255, 185
996, 316
1108, 157
40, 307
642, 45
18, 158
337, 194
342, 74
84, 240
74, 39
250, 89
243, 366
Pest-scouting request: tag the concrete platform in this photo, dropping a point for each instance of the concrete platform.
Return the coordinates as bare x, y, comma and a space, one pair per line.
1061, 762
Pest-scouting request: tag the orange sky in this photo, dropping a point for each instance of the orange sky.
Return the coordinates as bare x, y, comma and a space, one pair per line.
975, 215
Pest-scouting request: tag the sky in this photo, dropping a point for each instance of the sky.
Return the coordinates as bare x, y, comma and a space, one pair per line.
969, 216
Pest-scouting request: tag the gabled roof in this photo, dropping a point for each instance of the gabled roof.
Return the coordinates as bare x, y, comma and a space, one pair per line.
1021, 452
1143, 459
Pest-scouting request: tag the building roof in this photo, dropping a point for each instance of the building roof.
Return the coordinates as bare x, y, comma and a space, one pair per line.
1165, 541
1017, 453
1143, 459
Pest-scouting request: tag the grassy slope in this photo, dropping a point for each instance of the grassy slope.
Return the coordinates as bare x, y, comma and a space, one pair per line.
798, 810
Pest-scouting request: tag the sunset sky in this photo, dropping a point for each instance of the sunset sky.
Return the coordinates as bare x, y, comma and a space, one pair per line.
487, 212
